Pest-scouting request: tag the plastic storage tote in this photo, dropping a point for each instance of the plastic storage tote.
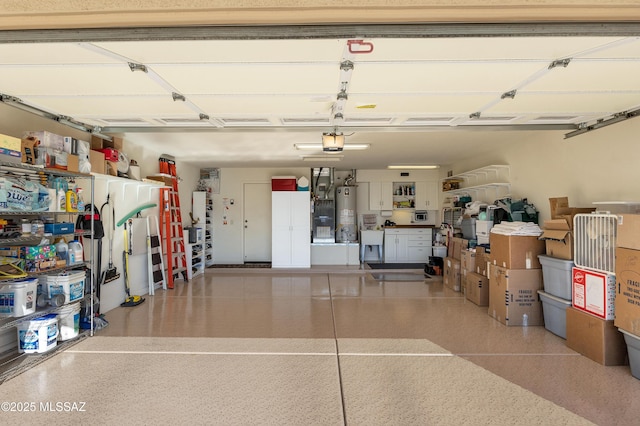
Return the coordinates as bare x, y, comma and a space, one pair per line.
556, 276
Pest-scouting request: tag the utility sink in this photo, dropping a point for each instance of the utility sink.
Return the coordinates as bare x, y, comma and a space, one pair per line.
371, 238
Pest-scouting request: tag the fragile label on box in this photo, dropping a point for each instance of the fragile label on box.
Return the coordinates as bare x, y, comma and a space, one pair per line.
627, 304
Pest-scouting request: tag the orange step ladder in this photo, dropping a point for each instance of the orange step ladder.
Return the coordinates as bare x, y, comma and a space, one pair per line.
171, 225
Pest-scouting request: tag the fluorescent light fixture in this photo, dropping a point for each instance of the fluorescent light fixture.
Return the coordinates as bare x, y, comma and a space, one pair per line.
318, 146
414, 166
332, 142
322, 158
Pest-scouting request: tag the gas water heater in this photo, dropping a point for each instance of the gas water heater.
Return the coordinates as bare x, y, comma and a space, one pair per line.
346, 226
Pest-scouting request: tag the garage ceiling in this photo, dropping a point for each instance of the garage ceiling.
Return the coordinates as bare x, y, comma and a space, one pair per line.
246, 102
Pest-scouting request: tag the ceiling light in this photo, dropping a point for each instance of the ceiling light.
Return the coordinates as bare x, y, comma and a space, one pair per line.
322, 158
332, 142
417, 166
318, 146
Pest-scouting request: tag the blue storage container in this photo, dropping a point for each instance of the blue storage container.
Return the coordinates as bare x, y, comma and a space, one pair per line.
62, 228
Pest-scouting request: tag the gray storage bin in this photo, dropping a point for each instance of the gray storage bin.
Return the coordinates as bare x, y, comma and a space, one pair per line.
633, 349
554, 310
468, 227
556, 276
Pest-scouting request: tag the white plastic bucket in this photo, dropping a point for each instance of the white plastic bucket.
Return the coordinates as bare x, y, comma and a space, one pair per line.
18, 298
69, 321
38, 335
70, 284
440, 251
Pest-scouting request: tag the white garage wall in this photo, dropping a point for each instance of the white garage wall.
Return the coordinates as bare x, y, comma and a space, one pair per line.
601, 165
228, 239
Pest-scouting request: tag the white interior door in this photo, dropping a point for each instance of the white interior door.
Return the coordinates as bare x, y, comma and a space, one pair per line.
257, 222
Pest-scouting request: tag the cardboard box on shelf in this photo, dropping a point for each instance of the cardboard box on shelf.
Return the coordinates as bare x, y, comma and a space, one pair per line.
97, 162
99, 143
595, 338
516, 251
48, 139
10, 143
73, 163
9, 156
451, 277
593, 292
558, 238
513, 296
477, 289
111, 168
628, 235
627, 302
164, 178
29, 148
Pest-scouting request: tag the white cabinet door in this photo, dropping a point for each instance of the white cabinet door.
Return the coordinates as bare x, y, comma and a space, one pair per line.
402, 248
300, 229
390, 247
427, 195
380, 195
395, 245
290, 230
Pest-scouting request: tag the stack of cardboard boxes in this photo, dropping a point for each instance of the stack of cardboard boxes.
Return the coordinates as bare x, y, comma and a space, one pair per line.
477, 280
578, 300
590, 319
557, 264
627, 299
515, 276
452, 277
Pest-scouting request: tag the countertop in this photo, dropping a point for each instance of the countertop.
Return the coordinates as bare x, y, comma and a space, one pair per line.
409, 226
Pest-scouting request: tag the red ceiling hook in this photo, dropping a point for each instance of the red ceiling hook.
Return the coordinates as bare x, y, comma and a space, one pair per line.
359, 46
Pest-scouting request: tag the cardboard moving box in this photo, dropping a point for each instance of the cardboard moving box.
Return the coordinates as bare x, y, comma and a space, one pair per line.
482, 261
477, 289
595, 338
513, 296
627, 302
516, 251
628, 235
456, 245
451, 278
558, 238
468, 260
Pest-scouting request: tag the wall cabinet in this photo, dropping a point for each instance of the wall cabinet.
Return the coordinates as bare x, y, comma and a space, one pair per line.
290, 229
407, 245
380, 195
426, 195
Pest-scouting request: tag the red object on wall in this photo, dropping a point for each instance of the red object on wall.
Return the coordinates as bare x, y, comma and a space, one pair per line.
283, 183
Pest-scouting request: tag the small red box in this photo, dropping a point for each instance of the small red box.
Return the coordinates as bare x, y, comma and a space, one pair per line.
110, 154
283, 183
